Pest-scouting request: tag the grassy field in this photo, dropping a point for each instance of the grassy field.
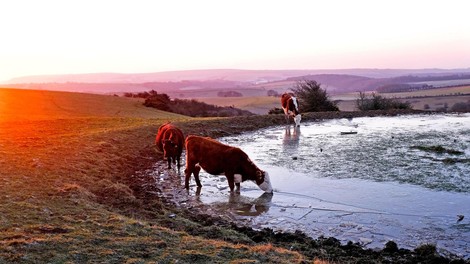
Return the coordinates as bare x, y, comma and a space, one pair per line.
70, 192
66, 163
258, 104
433, 98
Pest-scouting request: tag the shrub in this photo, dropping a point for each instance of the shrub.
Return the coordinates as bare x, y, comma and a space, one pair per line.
378, 102
312, 98
275, 111
461, 107
272, 93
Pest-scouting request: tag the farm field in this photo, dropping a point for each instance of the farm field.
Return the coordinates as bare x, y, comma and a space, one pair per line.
433, 98
257, 104
71, 192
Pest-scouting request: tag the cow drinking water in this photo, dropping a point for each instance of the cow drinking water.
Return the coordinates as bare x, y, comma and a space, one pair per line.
170, 140
217, 158
291, 108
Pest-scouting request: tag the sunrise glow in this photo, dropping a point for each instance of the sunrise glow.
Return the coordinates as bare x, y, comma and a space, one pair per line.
61, 37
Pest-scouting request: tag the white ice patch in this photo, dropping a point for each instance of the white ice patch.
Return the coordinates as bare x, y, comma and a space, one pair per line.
266, 185
237, 178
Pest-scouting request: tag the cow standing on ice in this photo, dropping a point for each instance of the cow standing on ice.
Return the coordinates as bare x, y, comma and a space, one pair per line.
170, 141
217, 158
291, 108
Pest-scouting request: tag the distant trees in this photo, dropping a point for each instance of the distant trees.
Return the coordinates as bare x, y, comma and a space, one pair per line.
141, 94
461, 107
378, 102
229, 94
312, 98
272, 93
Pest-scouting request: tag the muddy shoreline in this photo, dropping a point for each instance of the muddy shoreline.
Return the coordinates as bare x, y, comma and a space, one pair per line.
180, 207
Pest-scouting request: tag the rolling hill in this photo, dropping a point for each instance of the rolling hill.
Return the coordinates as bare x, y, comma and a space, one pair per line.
18, 104
207, 83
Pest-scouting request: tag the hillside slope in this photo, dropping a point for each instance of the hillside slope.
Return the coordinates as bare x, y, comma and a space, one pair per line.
18, 104
68, 186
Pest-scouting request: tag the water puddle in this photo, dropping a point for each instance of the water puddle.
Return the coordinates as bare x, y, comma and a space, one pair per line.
368, 185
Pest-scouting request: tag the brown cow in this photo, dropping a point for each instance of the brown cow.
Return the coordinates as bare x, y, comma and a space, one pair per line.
217, 158
170, 140
291, 108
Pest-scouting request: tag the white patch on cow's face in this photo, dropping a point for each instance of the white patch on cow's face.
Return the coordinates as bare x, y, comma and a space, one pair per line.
297, 119
266, 185
294, 100
237, 178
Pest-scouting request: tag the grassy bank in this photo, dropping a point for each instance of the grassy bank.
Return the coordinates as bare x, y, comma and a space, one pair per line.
70, 192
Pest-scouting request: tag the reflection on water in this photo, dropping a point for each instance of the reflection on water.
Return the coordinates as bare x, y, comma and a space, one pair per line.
291, 140
245, 205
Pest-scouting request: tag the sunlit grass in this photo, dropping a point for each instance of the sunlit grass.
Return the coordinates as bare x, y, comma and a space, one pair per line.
64, 171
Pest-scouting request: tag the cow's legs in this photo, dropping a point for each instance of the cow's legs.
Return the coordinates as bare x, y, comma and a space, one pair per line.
231, 180
190, 168
197, 169
178, 162
169, 162
286, 115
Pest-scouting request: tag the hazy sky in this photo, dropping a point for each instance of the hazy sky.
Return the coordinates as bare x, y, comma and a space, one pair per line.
84, 36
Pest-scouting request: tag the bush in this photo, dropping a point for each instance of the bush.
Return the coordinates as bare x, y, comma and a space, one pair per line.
275, 111
272, 93
159, 101
461, 107
378, 102
312, 98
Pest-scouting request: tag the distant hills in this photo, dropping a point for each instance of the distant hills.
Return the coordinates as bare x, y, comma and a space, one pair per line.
223, 74
206, 83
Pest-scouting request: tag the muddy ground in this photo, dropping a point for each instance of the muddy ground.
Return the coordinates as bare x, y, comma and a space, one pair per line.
177, 208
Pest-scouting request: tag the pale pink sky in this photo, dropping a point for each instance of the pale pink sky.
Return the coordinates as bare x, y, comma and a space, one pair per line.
62, 37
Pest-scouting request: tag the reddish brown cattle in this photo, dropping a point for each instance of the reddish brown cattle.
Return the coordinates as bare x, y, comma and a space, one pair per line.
217, 158
170, 140
291, 108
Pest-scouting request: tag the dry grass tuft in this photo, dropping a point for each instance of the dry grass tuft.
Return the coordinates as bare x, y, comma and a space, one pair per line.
76, 192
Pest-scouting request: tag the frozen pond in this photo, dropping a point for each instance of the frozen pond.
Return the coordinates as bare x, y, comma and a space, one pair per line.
378, 183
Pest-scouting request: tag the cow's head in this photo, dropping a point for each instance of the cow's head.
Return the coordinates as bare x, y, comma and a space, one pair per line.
263, 181
297, 119
169, 148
